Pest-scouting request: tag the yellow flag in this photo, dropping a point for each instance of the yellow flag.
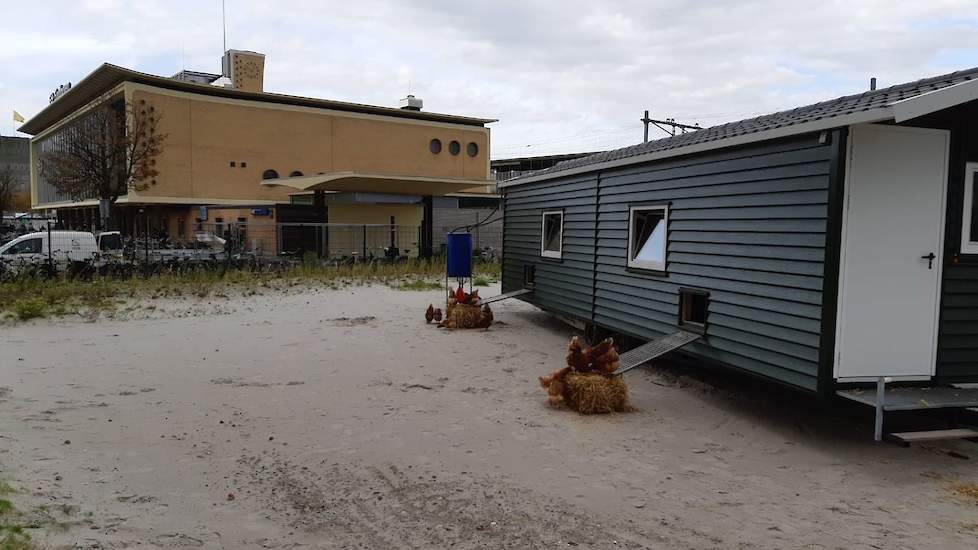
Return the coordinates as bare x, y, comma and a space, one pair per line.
18, 117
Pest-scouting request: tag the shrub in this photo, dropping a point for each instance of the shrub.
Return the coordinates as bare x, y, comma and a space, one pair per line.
30, 308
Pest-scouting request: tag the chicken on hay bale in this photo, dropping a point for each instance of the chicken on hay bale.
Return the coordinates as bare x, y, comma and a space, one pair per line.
587, 384
464, 310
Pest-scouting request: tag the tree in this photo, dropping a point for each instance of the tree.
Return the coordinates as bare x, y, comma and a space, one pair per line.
21, 201
7, 186
104, 153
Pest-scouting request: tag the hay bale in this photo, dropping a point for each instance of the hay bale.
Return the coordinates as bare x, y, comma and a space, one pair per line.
462, 316
595, 393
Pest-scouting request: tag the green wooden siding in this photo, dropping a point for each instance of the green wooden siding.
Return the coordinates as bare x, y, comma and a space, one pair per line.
566, 285
748, 225
957, 356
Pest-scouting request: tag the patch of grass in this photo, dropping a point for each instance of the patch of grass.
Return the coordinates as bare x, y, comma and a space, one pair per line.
15, 538
27, 297
482, 280
12, 535
30, 308
15, 523
418, 284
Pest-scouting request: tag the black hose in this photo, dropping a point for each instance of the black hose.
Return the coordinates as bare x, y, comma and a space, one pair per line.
478, 224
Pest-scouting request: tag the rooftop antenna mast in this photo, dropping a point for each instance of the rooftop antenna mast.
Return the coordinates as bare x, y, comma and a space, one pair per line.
661, 124
646, 121
224, 27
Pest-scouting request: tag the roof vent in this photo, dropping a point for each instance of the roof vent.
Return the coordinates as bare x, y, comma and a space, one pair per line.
872, 84
195, 77
223, 82
411, 103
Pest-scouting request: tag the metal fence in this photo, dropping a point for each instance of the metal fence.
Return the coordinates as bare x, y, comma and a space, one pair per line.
275, 240
53, 249
265, 240
327, 240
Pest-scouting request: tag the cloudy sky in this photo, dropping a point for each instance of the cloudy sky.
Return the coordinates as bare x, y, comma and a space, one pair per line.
560, 75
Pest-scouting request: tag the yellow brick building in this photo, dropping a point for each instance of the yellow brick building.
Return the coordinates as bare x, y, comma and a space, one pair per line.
250, 155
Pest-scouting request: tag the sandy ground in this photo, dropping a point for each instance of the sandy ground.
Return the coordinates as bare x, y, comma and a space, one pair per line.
338, 419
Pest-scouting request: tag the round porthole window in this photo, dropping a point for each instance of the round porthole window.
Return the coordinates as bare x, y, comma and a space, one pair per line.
435, 146
472, 149
454, 147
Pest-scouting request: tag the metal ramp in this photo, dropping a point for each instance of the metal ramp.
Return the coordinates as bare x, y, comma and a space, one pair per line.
506, 296
655, 349
907, 438
885, 399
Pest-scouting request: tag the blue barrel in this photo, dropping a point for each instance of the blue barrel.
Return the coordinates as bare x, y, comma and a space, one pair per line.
459, 254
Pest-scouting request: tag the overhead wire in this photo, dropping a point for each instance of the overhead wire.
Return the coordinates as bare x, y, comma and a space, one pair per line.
479, 224
623, 130
573, 137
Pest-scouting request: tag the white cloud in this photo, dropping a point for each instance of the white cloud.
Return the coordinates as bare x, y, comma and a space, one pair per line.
560, 75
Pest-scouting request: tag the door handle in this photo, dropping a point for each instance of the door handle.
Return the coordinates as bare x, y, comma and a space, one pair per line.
930, 260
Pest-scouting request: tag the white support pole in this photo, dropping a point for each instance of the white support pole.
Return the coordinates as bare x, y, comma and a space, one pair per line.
880, 397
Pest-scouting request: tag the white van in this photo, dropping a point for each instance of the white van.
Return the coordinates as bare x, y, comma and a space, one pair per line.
63, 247
110, 243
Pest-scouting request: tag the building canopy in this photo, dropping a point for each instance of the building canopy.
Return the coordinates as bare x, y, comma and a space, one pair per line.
378, 183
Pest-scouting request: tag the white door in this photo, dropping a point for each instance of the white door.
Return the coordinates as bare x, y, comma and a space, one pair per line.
893, 223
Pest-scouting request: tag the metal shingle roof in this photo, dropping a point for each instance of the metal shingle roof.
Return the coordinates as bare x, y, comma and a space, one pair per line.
846, 105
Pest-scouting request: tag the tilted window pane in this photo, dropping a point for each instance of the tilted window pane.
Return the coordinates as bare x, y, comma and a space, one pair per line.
551, 239
974, 207
649, 236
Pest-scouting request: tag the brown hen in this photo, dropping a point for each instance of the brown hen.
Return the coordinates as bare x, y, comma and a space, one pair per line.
576, 357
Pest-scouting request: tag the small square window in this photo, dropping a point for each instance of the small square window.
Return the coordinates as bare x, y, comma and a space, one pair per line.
647, 237
552, 235
693, 307
969, 218
232, 164
244, 164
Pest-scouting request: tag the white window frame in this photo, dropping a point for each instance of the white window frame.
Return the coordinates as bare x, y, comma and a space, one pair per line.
968, 246
555, 254
645, 264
